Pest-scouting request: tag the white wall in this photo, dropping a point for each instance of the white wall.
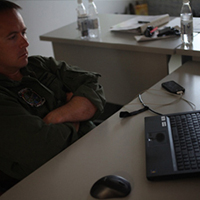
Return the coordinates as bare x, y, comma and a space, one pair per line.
42, 16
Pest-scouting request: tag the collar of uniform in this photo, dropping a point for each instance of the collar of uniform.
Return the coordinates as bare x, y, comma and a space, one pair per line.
6, 82
27, 72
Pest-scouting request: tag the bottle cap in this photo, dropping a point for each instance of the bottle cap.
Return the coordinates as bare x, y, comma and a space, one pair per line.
90, 1
186, 1
79, 1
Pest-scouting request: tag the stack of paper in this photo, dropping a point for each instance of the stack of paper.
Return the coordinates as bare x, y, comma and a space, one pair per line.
132, 25
173, 23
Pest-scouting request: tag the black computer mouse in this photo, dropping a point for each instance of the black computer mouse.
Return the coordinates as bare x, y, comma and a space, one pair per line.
111, 186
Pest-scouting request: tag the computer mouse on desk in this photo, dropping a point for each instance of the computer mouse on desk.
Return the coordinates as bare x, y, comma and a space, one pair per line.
111, 186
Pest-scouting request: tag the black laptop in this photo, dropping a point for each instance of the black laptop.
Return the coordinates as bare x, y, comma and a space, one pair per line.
172, 145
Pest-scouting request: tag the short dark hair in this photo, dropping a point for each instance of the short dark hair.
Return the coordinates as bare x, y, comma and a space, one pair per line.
5, 5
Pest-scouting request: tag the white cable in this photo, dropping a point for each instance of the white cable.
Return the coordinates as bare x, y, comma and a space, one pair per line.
178, 98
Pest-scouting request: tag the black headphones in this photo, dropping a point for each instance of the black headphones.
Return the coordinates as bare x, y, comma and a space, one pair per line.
165, 31
148, 32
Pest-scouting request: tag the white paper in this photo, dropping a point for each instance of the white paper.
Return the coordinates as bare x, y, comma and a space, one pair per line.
132, 24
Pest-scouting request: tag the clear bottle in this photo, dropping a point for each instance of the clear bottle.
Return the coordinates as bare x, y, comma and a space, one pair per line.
94, 25
186, 23
82, 20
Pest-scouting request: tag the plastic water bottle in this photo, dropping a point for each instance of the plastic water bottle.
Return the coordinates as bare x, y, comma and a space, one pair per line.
186, 23
94, 25
82, 20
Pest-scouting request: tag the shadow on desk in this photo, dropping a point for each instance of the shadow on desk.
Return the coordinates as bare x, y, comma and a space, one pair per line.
109, 110
6, 182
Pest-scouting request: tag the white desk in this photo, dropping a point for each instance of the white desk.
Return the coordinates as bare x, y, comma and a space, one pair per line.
191, 52
117, 146
127, 67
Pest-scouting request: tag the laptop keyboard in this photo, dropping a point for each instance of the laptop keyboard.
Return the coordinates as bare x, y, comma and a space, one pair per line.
186, 135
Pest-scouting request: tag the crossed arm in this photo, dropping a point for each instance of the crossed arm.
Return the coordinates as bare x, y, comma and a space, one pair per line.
76, 109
